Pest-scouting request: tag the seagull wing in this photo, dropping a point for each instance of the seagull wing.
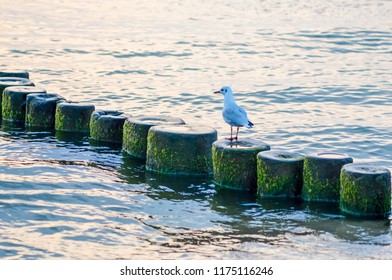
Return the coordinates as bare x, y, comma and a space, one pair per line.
235, 116
248, 124
243, 112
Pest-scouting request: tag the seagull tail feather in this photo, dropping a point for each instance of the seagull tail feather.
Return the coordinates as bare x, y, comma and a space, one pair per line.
250, 124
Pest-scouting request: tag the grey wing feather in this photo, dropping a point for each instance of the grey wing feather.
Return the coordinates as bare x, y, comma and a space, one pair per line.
243, 112
248, 123
235, 116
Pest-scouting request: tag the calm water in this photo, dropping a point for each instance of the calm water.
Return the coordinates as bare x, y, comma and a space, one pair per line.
313, 75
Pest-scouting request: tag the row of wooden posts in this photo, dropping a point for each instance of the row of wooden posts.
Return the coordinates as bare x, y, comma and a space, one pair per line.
169, 146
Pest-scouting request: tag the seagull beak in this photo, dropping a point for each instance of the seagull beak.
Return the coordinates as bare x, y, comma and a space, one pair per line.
218, 91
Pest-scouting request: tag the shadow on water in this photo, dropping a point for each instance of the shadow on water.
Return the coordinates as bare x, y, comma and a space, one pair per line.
75, 138
244, 217
327, 218
11, 131
174, 187
231, 202
110, 145
273, 217
132, 170
11, 127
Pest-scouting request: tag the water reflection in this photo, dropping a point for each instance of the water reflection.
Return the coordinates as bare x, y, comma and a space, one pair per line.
178, 187
11, 127
98, 144
245, 218
16, 132
75, 138
132, 170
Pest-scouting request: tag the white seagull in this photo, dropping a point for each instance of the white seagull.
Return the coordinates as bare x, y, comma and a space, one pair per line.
233, 114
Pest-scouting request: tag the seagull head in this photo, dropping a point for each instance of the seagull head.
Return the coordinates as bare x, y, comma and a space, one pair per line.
225, 90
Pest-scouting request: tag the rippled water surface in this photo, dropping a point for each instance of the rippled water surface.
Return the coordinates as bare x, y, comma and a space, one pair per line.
313, 75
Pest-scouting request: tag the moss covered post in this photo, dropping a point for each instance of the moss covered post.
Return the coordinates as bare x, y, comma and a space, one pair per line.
180, 149
279, 174
14, 102
235, 164
41, 110
365, 190
322, 176
73, 117
9, 82
136, 131
107, 126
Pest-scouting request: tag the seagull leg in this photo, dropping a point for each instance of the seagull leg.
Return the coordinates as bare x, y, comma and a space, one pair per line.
231, 134
236, 136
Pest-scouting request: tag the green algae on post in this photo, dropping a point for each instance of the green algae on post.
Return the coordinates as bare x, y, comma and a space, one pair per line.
41, 110
73, 117
180, 149
235, 164
136, 131
9, 82
279, 174
321, 175
107, 126
14, 102
365, 190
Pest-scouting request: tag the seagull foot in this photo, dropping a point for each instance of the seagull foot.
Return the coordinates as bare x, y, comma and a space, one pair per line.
232, 138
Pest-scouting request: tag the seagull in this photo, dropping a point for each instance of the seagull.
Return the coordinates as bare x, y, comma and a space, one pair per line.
233, 114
